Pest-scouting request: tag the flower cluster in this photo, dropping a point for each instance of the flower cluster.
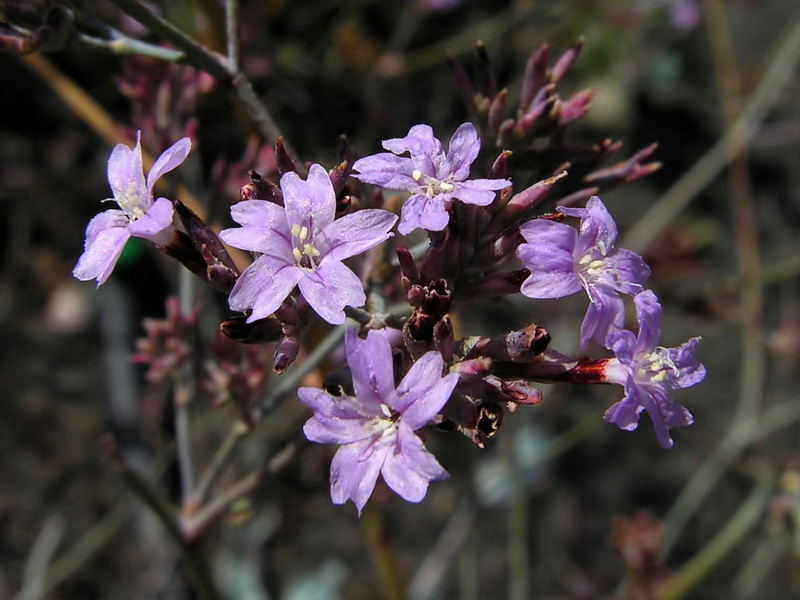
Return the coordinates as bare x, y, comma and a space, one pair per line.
301, 232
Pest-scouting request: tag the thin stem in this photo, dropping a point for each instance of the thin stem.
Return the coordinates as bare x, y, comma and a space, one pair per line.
381, 552
197, 568
122, 45
193, 525
37, 566
218, 464
293, 377
681, 583
232, 33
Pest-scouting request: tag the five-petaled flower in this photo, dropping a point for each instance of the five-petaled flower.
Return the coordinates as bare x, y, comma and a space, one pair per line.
649, 372
139, 216
301, 244
562, 261
433, 177
376, 426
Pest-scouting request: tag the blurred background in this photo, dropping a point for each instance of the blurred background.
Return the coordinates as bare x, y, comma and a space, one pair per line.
559, 504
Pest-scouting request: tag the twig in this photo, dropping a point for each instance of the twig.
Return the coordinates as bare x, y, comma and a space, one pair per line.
193, 525
197, 568
36, 567
705, 477
741, 132
218, 67
293, 377
232, 33
218, 463
121, 44
682, 582
381, 552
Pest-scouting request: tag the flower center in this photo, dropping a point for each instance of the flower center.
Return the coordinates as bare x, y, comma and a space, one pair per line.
656, 367
430, 186
132, 202
304, 252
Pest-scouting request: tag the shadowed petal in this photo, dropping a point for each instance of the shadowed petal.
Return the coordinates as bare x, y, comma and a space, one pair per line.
410, 467
462, 151
689, 369
154, 222
260, 214
264, 286
101, 253
386, 170
257, 239
310, 201
330, 288
604, 316
126, 177
371, 365
648, 313
335, 420
419, 212
423, 391
354, 471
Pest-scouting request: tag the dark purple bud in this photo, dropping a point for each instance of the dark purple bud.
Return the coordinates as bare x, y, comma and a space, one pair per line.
415, 294
502, 247
443, 339
282, 157
497, 112
520, 391
524, 345
484, 74
285, 354
565, 61
575, 107
204, 238
408, 267
258, 332
505, 135
181, 248
500, 167
534, 78
339, 176
472, 367
261, 188
519, 207
541, 106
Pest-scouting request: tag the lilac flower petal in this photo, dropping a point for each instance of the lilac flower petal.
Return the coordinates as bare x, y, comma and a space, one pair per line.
337, 422
154, 222
101, 254
410, 468
355, 233
648, 313
255, 239
371, 365
552, 271
264, 286
260, 214
105, 220
312, 201
419, 212
330, 288
597, 224
469, 193
463, 150
689, 369
665, 414
126, 176
170, 159
426, 151
386, 170
624, 271
541, 232
624, 414
423, 391
354, 471
604, 316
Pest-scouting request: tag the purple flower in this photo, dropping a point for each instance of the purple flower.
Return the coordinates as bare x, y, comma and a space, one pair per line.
139, 216
376, 426
648, 372
301, 244
433, 177
562, 261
